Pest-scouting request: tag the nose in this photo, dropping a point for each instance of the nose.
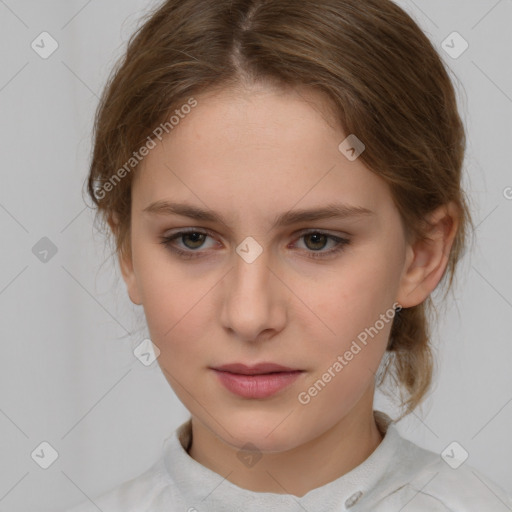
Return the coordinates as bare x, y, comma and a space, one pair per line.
253, 299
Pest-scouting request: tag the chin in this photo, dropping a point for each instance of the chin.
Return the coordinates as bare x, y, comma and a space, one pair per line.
268, 432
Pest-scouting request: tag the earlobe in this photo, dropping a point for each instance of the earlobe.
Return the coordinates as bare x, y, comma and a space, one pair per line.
427, 259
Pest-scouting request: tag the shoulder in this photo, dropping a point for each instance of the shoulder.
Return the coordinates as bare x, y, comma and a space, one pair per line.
161, 485
425, 481
133, 495
460, 489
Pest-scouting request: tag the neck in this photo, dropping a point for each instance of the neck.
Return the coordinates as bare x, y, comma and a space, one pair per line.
297, 471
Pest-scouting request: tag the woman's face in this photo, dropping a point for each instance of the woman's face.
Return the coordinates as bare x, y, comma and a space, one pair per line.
250, 285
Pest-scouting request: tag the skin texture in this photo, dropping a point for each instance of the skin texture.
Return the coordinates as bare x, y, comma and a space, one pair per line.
250, 155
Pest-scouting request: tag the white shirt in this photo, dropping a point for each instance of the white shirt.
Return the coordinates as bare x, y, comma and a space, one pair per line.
398, 476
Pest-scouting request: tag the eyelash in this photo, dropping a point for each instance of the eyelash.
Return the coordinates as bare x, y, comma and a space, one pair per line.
167, 242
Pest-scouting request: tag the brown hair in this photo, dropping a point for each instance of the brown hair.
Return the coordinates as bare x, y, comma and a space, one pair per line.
384, 79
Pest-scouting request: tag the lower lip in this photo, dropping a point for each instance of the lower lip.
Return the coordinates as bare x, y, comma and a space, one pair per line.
257, 386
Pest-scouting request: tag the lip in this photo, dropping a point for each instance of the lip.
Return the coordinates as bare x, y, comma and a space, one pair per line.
258, 381
256, 369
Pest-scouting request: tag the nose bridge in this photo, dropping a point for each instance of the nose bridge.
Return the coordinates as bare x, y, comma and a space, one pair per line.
250, 277
250, 296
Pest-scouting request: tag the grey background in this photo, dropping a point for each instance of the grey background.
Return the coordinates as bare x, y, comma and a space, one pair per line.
68, 375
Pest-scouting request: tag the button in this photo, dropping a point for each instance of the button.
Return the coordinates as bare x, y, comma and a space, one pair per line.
353, 499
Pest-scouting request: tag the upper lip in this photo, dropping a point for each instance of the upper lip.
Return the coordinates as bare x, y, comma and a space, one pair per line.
256, 369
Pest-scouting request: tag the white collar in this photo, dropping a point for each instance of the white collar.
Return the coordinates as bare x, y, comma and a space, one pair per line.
379, 475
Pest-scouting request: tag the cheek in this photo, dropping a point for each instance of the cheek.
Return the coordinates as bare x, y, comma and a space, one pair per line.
177, 327
354, 305
176, 315
173, 300
354, 297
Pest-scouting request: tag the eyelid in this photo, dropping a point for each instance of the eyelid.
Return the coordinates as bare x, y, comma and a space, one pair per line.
166, 239
305, 231
296, 234
341, 242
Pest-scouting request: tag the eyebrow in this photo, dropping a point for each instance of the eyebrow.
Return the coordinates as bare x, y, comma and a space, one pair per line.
339, 211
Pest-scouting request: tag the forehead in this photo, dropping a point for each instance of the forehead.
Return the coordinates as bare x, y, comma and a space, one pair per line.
258, 148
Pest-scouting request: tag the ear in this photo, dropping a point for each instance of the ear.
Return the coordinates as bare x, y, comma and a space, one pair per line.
427, 258
126, 266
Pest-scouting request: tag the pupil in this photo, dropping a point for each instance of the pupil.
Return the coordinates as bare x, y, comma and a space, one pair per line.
317, 236
196, 238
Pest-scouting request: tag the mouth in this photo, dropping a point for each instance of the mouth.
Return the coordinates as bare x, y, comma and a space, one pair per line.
258, 381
